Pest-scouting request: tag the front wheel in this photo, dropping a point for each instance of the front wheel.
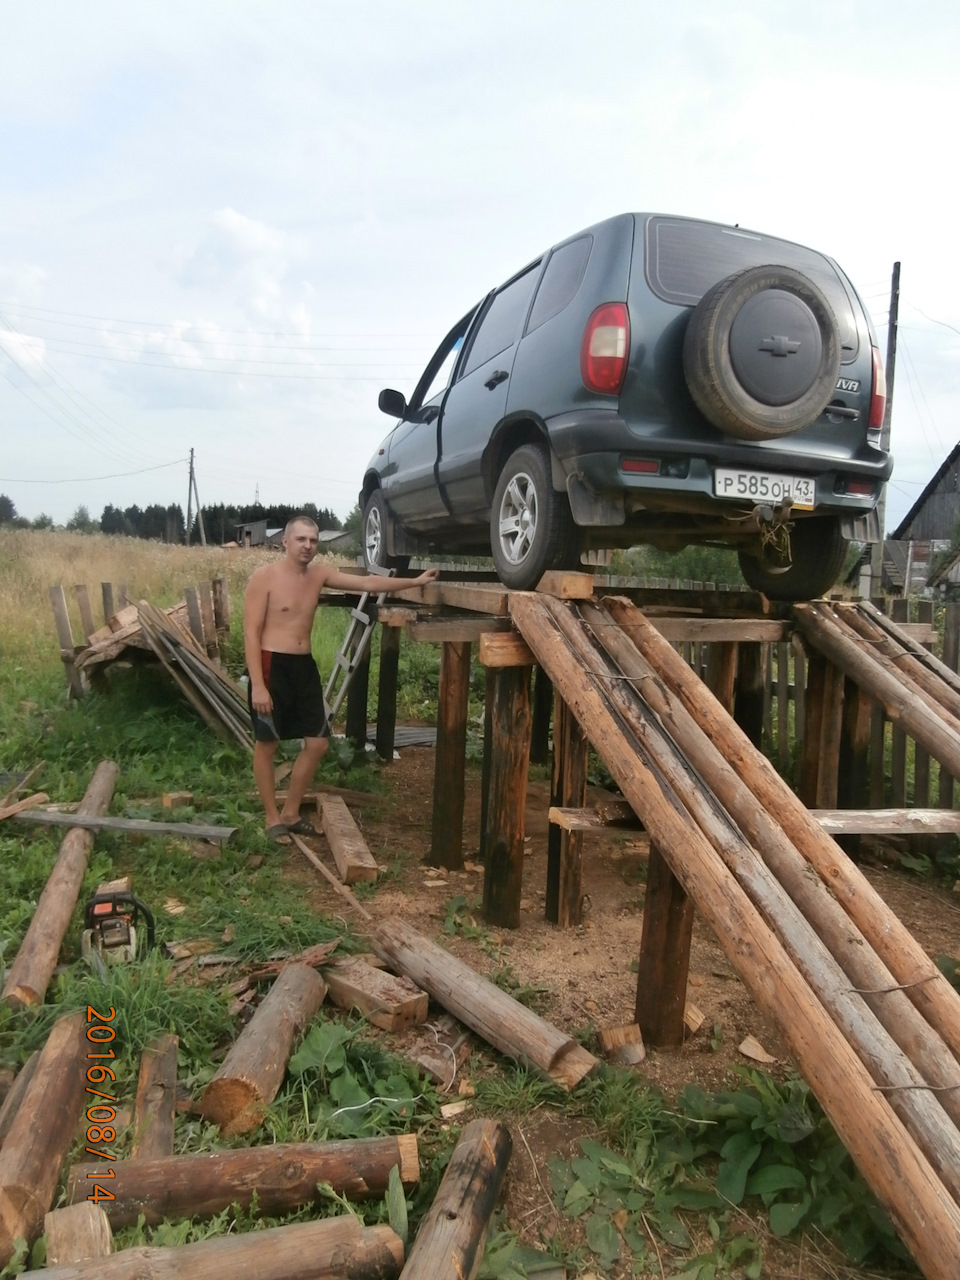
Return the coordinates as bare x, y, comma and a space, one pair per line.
817, 552
375, 519
531, 528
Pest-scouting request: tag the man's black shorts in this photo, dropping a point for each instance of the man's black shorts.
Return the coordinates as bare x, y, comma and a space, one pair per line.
297, 692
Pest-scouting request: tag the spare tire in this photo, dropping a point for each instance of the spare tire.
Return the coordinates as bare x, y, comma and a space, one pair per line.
761, 353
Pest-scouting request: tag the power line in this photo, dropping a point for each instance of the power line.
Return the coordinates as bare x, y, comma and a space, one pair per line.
118, 475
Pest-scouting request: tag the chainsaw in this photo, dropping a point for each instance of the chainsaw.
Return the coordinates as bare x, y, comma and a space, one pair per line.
111, 923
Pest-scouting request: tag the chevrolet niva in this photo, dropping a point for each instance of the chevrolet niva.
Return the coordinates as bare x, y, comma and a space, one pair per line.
652, 379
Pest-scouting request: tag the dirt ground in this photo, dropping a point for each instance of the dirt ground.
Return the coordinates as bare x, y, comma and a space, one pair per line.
587, 974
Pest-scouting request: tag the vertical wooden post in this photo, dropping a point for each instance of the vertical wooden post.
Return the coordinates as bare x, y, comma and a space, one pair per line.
748, 698
664, 955
878, 740
831, 725
854, 782
783, 706
899, 612
488, 696
86, 613
221, 605
951, 657
446, 841
564, 905
722, 671
194, 616
209, 621
109, 608
355, 726
387, 691
812, 728
61, 614
122, 598
509, 766
921, 758
542, 705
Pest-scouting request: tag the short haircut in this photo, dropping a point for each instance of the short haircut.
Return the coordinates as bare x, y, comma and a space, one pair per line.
300, 520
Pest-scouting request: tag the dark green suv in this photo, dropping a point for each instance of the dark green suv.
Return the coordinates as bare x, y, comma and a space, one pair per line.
649, 380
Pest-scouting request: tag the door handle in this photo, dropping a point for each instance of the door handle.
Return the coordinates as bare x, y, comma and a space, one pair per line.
498, 376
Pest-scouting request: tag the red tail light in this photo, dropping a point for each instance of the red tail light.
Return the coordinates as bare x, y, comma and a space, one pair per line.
605, 349
878, 395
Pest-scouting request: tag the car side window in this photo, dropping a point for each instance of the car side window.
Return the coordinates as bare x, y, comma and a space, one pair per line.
500, 325
560, 281
436, 376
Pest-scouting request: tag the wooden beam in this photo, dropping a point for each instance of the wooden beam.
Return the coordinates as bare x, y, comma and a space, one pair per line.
391, 1002
542, 708
354, 860
730, 630
564, 898
387, 681
888, 822
477, 599
566, 585
446, 838
505, 649
155, 1106
68, 652
614, 813
463, 630
509, 768
664, 962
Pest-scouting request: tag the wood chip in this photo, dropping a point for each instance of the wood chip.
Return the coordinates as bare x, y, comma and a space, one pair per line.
753, 1049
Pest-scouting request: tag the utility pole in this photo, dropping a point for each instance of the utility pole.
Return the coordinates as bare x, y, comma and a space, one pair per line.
890, 367
191, 494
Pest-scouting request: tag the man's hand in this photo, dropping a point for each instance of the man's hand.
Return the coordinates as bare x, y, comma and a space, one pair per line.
428, 575
260, 697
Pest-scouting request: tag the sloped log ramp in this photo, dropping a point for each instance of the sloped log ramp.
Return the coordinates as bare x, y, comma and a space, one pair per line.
330, 1249
282, 1176
865, 1079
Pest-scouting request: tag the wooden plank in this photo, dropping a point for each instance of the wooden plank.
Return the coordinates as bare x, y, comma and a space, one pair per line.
77, 1231
622, 1044
86, 613
396, 615
354, 860
509, 768
154, 1110
438, 630
505, 649
208, 620
446, 836
612, 814
109, 608
566, 584
194, 616
143, 826
921, 757
221, 605
564, 889
387, 681
748, 630
890, 822
123, 618
21, 806
477, 599
391, 1002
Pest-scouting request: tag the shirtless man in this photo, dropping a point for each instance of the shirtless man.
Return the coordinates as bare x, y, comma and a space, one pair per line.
286, 693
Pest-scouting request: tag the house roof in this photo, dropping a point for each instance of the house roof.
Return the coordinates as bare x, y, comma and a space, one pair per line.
901, 530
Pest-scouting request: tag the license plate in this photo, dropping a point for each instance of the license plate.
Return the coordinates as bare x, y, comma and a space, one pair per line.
764, 486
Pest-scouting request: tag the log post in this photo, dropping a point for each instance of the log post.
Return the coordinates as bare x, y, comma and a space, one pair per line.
387, 691
155, 1106
489, 691
221, 605
853, 788
664, 964
722, 671
86, 613
783, 706
899, 612
446, 839
951, 659
41, 1133
358, 690
283, 1176
564, 901
812, 728
454, 1229
831, 725
210, 637
542, 706
36, 960
194, 616
253, 1070
61, 614
501, 1020
109, 608
509, 765
921, 757
329, 1249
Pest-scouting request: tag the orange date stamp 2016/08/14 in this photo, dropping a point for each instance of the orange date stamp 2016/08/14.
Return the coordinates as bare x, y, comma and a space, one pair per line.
101, 1117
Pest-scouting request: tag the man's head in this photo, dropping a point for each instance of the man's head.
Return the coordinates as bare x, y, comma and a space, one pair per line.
301, 539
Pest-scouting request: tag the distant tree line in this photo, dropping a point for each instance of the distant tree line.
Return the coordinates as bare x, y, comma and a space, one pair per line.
167, 524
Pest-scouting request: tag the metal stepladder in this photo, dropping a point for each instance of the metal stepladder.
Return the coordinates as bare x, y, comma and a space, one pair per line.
353, 650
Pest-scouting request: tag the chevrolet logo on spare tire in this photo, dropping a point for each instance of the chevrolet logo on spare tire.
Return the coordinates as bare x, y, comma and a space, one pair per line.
780, 346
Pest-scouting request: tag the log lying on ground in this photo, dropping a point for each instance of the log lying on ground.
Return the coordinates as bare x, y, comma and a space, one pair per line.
253, 1070
36, 960
453, 1233
330, 1249
11, 1102
155, 1106
78, 1231
901, 1177
508, 1025
42, 1131
283, 1177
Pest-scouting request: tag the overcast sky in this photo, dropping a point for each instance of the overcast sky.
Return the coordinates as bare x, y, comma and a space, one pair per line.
226, 226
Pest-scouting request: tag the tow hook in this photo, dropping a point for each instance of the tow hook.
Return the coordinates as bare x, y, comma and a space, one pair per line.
775, 525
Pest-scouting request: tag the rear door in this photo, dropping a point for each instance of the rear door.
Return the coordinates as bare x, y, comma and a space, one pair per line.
477, 400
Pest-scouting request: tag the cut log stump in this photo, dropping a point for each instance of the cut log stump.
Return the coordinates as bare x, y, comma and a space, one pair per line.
326, 1250
252, 1072
354, 860
387, 1001
283, 1176
78, 1231
453, 1233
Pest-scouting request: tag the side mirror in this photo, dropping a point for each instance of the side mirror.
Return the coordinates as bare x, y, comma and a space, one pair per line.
392, 402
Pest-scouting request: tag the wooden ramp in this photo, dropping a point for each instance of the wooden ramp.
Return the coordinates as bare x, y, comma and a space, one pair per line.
870, 1021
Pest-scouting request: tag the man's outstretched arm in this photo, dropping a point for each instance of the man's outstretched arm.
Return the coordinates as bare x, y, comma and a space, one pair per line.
379, 581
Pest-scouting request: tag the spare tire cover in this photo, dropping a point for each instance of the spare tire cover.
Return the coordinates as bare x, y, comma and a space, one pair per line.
761, 353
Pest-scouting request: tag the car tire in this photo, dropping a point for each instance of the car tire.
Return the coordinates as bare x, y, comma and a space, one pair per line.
818, 550
761, 353
375, 521
531, 528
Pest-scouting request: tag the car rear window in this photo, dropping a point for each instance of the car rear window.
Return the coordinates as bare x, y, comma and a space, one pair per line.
500, 326
684, 259
560, 281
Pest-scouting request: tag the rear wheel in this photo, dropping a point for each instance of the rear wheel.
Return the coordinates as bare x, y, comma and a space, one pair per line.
531, 528
817, 552
375, 520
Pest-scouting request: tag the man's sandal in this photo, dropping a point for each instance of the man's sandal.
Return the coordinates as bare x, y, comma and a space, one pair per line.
278, 832
301, 827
